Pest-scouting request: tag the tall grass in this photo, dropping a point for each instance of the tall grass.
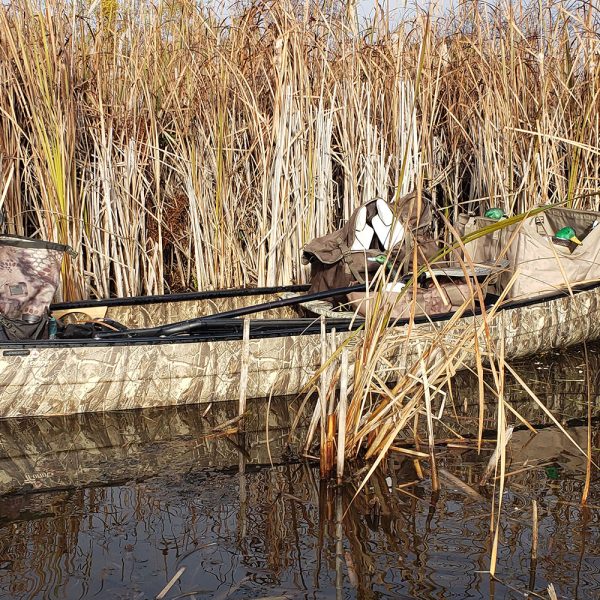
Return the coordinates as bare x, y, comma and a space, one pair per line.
179, 149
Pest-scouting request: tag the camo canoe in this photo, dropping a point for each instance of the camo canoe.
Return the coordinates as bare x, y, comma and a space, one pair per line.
281, 355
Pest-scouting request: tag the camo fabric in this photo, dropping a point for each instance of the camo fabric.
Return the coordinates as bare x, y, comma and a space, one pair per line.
29, 276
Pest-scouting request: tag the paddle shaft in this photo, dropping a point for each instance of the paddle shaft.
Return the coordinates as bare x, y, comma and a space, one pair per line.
192, 324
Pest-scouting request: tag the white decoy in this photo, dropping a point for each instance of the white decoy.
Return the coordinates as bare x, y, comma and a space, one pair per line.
395, 287
382, 223
363, 233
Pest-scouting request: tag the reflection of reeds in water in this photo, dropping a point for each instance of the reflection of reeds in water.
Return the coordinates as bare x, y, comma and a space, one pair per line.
395, 536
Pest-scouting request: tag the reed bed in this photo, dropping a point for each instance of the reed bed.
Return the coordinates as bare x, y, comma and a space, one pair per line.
179, 149
397, 401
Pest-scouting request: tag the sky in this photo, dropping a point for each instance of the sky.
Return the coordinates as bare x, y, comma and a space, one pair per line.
366, 7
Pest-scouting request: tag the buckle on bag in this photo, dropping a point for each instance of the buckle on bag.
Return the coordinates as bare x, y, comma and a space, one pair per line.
539, 223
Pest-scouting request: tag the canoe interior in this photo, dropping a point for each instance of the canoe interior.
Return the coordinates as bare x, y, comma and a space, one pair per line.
162, 313
147, 312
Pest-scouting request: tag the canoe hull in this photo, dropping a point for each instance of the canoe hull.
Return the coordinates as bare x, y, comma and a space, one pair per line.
51, 380
62, 381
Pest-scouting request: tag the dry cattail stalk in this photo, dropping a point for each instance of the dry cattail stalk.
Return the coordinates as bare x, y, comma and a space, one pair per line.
187, 151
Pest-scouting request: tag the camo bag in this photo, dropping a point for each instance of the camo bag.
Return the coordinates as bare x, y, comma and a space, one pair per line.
29, 277
334, 265
443, 298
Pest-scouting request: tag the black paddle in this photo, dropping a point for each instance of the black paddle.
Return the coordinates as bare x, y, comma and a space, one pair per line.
191, 325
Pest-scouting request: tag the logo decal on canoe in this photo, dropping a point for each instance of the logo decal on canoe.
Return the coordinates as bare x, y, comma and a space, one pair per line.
35, 479
16, 353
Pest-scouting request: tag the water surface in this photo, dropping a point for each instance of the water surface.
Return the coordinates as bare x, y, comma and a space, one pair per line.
114, 506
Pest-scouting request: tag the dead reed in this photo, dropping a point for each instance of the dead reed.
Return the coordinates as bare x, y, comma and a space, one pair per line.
180, 150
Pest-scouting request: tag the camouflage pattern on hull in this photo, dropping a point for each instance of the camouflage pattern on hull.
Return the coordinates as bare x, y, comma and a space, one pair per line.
90, 378
55, 381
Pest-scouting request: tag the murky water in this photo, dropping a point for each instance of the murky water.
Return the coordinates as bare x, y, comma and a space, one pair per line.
119, 505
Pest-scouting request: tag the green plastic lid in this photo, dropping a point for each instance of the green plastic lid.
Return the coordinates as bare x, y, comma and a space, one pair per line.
494, 213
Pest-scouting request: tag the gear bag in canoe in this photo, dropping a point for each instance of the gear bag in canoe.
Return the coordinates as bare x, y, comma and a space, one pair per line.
29, 278
378, 234
349, 254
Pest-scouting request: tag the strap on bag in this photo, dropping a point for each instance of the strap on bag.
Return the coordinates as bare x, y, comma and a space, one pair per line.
9, 325
539, 225
346, 253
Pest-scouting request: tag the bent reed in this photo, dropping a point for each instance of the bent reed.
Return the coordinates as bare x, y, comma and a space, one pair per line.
177, 149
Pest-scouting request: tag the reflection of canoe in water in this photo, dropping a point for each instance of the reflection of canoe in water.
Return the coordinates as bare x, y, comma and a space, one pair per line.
99, 449
204, 365
107, 448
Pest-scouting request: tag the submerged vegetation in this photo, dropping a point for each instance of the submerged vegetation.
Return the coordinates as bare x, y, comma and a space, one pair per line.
181, 149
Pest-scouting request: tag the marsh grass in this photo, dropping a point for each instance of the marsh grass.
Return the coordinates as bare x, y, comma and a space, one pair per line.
178, 149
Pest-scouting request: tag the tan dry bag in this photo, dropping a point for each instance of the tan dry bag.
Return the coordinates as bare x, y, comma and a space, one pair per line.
544, 267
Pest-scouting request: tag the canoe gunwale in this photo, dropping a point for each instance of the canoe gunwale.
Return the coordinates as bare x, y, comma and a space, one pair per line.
230, 330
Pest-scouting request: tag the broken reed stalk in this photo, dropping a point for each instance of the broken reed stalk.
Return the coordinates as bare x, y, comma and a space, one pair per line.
435, 486
534, 530
534, 547
324, 373
503, 436
162, 594
416, 462
493, 461
245, 365
323, 403
328, 452
328, 455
